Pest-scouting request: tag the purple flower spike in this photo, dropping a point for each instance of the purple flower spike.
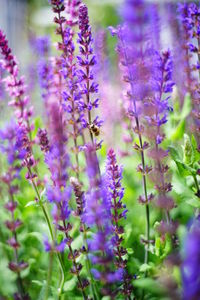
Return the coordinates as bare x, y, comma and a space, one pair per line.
191, 264
116, 192
87, 61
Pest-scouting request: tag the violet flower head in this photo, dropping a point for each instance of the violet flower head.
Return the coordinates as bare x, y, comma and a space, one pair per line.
86, 61
118, 212
15, 84
8, 142
42, 45
57, 159
71, 8
157, 107
190, 17
12, 151
114, 177
6, 52
97, 215
191, 264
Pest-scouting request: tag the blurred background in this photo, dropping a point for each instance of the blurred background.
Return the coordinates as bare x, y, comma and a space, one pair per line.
21, 18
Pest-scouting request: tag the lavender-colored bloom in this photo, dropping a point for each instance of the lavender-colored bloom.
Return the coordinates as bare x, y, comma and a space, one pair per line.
57, 247
97, 215
86, 61
191, 264
12, 152
44, 66
71, 8
189, 16
42, 45
58, 161
8, 142
2, 94
118, 212
14, 83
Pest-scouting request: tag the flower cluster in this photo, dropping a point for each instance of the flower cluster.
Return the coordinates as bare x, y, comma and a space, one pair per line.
190, 18
190, 266
44, 66
71, 8
97, 215
114, 177
14, 84
86, 61
8, 146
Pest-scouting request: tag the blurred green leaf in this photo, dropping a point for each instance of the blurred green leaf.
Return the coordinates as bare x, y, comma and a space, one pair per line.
144, 268
194, 202
149, 285
70, 284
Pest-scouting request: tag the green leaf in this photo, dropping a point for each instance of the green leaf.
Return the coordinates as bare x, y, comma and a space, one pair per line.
186, 107
145, 267
179, 131
188, 151
130, 251
149, 285
158, 246
175, 154
42, 291
32, 203
194, 202
70, 284
37, 282
38, 124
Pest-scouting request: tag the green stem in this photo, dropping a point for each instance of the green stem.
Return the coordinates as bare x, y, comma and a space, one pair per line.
51, 232
196, 183
88, 267
48, 284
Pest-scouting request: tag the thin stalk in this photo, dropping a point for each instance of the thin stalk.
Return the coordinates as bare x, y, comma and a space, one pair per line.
48, 283
133, 102
19, 280
75, 264
196, 184
88, 267
50, 230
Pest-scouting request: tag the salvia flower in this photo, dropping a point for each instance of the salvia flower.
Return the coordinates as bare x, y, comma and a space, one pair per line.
71, 8
136, 62
87, 61
158, 109
59, 192
14, 83
190, 18
118, 212
8, 147
97, 215
190, 266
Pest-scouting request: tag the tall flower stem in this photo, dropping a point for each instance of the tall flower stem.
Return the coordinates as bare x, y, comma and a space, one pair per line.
60, 290
19, 279
49, 275
81, 285
138, 130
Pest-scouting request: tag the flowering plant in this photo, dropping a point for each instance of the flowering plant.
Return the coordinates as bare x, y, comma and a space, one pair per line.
100, 188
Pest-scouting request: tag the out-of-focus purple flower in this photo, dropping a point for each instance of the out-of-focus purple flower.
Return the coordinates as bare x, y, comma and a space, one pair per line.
42, 45
191, 264
1, 80
9, 147
43, 139
14, 83
57, 247
189, 14
71, 8
8, 142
